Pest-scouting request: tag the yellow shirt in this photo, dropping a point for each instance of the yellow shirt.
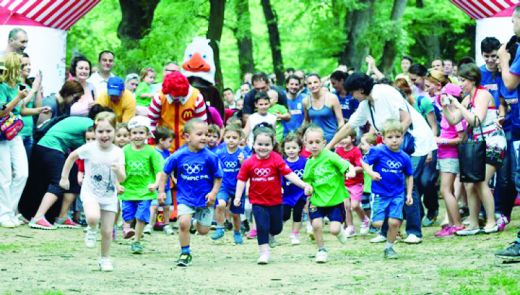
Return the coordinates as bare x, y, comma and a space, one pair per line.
124, 109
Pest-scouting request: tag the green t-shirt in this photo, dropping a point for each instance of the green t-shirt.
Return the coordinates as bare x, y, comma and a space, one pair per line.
278, 109
67, 135
326, 174
7, 94
425, 108
367, 186
143, 88
141, 167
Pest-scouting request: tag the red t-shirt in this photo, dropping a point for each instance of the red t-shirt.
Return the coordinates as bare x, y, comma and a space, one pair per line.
264, 175
305, 153
354, 156
81, 165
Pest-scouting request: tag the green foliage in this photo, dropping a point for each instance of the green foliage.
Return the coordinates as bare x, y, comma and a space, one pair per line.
312, 34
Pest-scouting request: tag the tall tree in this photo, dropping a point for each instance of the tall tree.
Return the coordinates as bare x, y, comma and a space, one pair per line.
389, 50
215, 26
136, 21
274, 40
430, 42
356, 23
242, 33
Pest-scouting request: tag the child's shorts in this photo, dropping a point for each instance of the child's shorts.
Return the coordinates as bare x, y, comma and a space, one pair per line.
356, 191
204, 216
228, 196
136, 210
448, 165
167, 202
334, 213
111, 205
387, 207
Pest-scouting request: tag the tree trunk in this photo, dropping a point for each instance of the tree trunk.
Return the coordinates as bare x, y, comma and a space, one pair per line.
243, 36
274, 40
390, 51
431, 42
356, 23
136, 21
215, 26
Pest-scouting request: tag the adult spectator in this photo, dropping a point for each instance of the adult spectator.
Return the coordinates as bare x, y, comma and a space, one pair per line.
61, 102
105, 64
16, 41
131, 82
294, 104
346, 101
479, 104
437, 64
509, 57
13, 160
417, 74
378, 103
260, 83
80, 70
118, 99
229, 98
406, 63
322, 107
177, 103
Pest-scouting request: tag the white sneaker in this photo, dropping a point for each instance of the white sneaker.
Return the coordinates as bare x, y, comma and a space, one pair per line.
17, 222
350, 231
90, 237
342, 236
148, 229
294, 239
365, 227
105, 264
412, 239
378, 239
8, 223
168, 230
310, 231
263, 259
321, 256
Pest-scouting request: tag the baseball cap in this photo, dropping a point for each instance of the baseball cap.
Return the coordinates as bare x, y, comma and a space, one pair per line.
139, 121
115, 86
452, 89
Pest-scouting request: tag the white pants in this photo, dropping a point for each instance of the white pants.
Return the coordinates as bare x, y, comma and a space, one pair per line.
13, 175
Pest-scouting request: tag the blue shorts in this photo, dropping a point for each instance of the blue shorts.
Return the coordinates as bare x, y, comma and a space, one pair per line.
228, 196
136, 210
387, 207
334, 213
167, 202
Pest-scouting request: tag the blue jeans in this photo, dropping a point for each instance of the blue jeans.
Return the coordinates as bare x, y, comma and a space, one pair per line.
28, 144
505, 192
412, 213
425, 180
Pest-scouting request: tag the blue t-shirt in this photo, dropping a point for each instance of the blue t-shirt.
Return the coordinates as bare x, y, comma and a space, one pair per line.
165, 154
491, 82
195, 173
292, 193
213, 149
515, 113
392, 166
295, 107
230, 167
348, 105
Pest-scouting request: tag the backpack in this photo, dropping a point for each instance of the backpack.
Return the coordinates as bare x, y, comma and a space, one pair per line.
42, 129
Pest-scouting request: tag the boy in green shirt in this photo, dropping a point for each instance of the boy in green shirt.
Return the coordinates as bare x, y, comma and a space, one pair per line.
142, 165
325, 171
280, 111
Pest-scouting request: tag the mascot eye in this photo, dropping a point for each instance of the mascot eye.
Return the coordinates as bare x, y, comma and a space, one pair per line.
204, 56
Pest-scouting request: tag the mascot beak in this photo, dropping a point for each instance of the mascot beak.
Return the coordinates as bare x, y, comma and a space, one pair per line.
196, 64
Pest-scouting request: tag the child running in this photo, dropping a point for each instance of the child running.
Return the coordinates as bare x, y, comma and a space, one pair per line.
143, 167
264, 171
213, 137
294, 198
326, 172
231, 157
388, 165
104, 166
199, 177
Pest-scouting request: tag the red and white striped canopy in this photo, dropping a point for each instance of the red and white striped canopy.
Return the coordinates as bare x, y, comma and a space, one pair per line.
479, 9
58, 14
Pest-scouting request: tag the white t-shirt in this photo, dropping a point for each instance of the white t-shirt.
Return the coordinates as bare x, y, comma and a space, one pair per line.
387, 104
100, 83
100, 181
256, 119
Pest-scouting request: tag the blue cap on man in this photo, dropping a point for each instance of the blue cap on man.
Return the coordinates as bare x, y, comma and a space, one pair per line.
115, 86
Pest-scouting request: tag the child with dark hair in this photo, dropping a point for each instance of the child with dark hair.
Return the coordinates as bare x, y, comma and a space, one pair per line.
262, 104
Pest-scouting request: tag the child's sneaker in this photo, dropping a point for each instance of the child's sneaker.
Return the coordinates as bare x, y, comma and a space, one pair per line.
137, 247
263, 259
41, 223
218, 233
310, 231
342, 236
365, 227
295, 240
412, 239
105, 264
378, 239
321, 256
65, 223
502, 222
272, 241
148, 229
184, 260
446, 231
350, 231
168, 230
90, 237
510, 253
251, 234
128, 233
390, 253
237, 236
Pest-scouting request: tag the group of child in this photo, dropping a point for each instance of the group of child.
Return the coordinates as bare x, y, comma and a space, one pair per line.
123, 174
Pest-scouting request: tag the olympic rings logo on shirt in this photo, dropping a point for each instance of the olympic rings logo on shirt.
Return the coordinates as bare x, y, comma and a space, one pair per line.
262, 171
299, 172
230, 164
394, 164
192, 169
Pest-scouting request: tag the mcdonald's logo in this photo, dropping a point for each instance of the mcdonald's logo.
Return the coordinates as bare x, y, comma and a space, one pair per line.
187, 114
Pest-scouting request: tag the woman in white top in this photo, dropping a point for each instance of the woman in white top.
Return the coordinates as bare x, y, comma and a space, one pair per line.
80, 70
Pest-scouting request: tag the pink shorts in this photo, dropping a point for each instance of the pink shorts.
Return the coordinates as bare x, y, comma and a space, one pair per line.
356, 191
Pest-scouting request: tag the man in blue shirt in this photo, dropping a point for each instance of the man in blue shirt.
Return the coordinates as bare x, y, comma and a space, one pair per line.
294, 104
346, 101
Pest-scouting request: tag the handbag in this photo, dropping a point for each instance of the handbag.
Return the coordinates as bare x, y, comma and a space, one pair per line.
472, 157
10, 126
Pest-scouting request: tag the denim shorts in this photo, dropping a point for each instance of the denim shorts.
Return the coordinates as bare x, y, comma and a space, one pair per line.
136, 210
167, 202
384, 207
228, 197
449, 165
334, 213
204, 216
